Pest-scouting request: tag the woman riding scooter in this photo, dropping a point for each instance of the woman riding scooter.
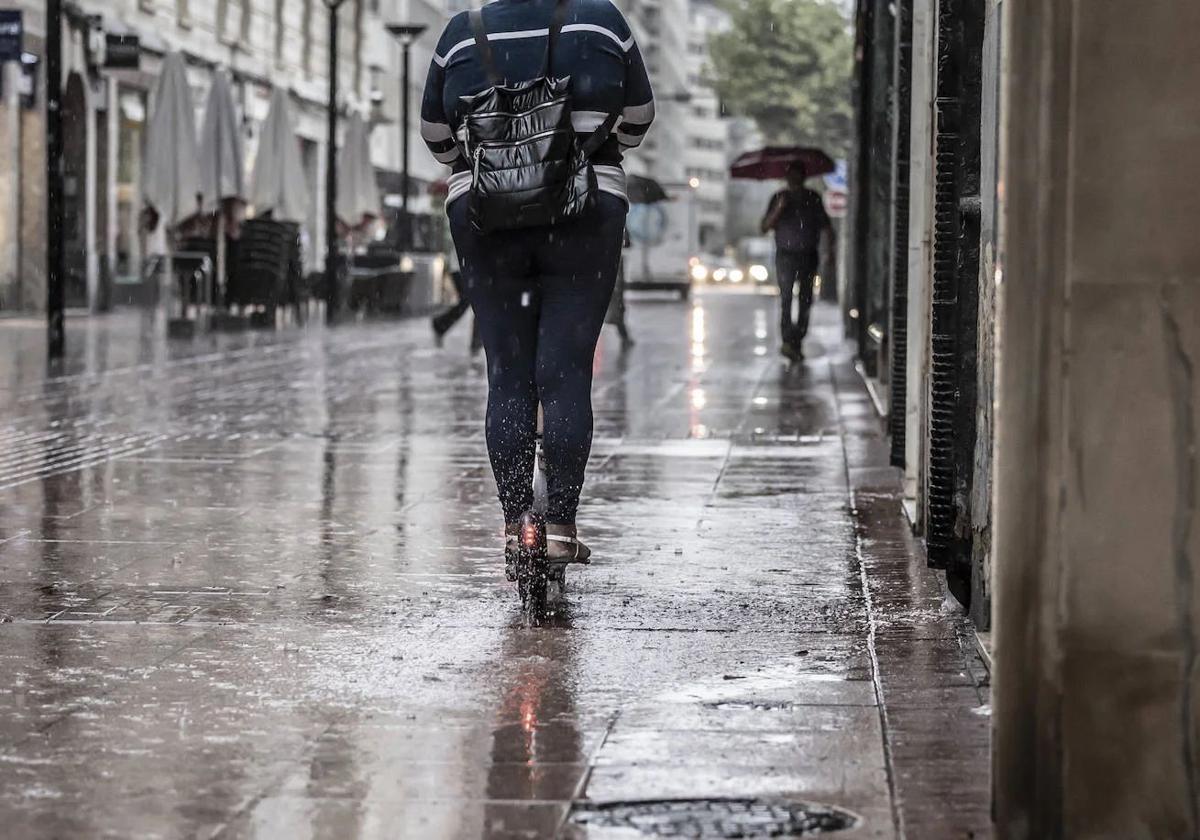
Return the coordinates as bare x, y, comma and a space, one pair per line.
537, 210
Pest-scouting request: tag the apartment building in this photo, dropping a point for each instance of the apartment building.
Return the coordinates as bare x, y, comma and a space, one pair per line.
708, 134
264, 44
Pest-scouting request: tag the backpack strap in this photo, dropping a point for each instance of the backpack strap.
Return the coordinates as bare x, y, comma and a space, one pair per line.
486, 56
556, 25
598, 137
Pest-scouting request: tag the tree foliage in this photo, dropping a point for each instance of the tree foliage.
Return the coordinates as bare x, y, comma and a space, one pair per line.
787, 64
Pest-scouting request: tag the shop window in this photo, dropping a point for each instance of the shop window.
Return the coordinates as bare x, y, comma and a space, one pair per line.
359, 38
233, 21
280, 17
131, 135
247, 13
306, 36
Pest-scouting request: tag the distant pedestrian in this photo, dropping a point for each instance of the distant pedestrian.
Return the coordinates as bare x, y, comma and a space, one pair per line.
802, 227
444, 322
616, 306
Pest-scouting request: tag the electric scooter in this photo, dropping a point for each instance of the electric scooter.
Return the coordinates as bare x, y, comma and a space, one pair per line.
540, 582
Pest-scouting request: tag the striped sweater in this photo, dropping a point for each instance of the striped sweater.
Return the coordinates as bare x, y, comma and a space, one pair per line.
595, 48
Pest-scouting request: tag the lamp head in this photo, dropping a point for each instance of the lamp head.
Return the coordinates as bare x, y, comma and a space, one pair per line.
406, 33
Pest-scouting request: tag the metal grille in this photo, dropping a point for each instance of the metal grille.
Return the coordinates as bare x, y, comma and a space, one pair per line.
955, 281
943, 386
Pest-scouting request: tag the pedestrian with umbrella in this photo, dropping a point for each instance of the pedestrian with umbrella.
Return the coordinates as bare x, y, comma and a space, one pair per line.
802, 230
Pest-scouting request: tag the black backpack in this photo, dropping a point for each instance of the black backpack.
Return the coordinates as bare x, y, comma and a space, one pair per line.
528, 168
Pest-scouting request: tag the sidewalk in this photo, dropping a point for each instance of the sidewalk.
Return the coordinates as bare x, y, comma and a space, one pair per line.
251, 587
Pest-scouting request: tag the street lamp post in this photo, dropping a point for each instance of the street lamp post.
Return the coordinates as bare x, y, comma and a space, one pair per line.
55, 253
693, 220
332, 273
405, 33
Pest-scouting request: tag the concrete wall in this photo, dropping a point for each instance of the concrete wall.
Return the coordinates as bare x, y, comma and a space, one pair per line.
1097, 544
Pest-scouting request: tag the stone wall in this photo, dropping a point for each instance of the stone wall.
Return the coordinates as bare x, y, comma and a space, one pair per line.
1097, 543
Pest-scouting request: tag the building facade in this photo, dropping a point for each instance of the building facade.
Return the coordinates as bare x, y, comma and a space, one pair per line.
261, 43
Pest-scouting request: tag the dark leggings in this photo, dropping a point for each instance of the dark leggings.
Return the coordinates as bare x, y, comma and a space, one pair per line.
539, 297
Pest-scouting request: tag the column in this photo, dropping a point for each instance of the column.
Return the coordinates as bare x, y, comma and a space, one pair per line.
1097, 482
92, 264
113, 124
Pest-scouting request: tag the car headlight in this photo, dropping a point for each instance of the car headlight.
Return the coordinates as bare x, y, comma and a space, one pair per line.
736, 275
699, 272
719, 275
759, 273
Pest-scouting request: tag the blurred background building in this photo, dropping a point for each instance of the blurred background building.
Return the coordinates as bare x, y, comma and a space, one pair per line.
269, 43
262, 43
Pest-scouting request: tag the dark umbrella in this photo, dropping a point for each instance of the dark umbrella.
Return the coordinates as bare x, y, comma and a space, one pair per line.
773, 162
644, 190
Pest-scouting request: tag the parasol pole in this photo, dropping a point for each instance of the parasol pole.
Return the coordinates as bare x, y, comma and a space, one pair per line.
220, 251
220, 267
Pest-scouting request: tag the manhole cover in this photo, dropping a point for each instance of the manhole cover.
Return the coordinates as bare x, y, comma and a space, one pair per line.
723, 818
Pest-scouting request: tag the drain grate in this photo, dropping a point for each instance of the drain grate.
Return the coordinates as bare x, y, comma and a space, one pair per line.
716, 818
751, 705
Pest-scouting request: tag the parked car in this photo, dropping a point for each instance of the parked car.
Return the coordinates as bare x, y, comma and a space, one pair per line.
757, 253
709, 268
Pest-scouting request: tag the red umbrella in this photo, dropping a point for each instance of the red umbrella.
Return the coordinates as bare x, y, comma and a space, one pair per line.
773, 162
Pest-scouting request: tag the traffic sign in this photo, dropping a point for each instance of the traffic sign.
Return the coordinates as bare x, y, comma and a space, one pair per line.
836, 180
835, 203
646, 223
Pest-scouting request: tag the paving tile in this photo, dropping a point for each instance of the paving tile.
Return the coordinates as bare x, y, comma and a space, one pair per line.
251, 587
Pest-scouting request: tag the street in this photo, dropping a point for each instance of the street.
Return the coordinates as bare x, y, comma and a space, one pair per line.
252, 586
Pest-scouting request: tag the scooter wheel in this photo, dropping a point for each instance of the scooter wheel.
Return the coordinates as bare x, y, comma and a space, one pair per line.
536, 602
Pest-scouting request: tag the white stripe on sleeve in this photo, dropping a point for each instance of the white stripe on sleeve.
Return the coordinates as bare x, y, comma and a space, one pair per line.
640, 114
435, 132
625, 45
587, 120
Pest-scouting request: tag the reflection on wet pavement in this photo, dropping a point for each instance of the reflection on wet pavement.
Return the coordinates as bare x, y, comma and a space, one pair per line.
251, 587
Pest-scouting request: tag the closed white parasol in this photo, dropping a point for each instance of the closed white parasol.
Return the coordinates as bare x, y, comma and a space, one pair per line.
171, 178
358, 194
222, 167
278, 185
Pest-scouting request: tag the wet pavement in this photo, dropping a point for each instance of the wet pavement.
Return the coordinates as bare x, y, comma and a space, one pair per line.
250, 586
